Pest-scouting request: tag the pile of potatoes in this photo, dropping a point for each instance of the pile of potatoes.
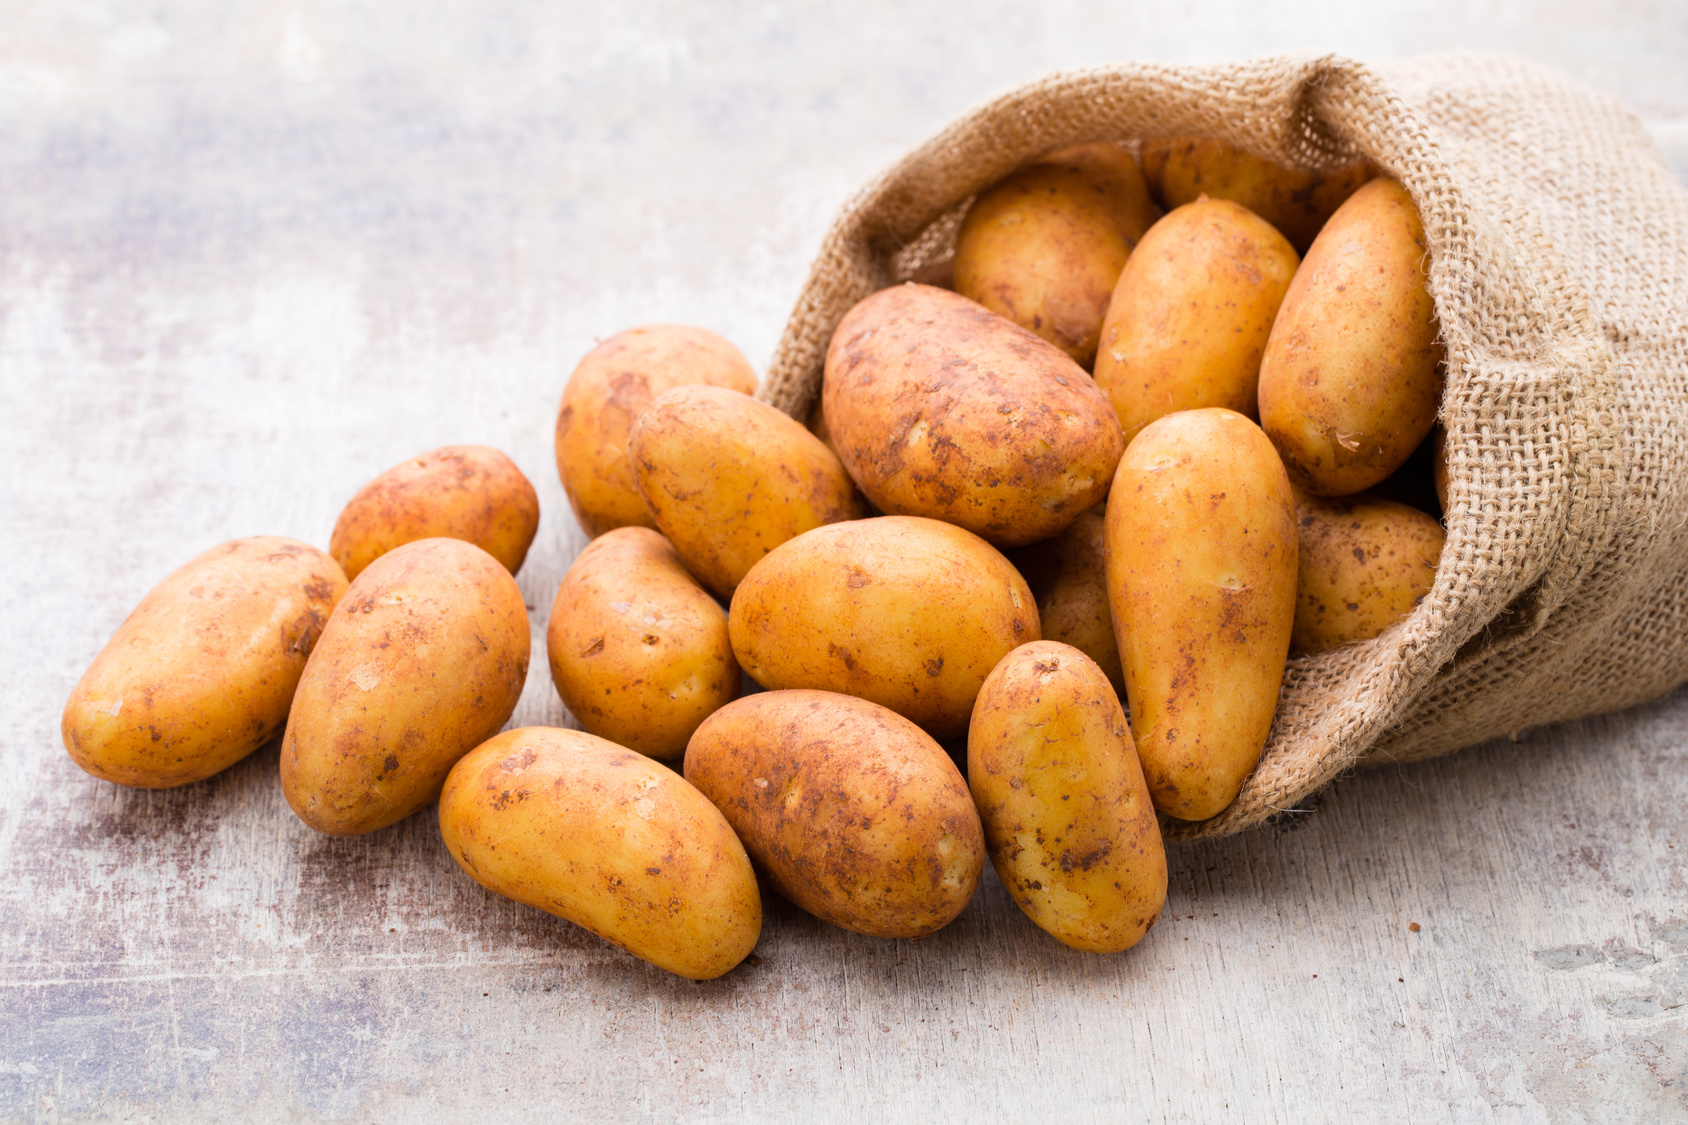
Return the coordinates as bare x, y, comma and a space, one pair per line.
1115, 460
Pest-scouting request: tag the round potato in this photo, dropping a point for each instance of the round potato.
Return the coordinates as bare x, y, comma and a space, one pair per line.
909, 613
852, 812
939, 407
607, 839
1068, 576
1191, 314
202, 672
467, 492
639, 651
606, 392
1365, 563
1045, 246
423, 660
1067, 816
1351, 380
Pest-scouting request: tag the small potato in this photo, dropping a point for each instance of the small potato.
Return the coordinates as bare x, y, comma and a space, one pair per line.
851, 811
607, 391
467, 492
1067, 815
1351, 380
907, 612
1365, 563
608, 840
202, 672
1201, 576
1191, 314
1044, 246
639, 650
423, 660
1068, 576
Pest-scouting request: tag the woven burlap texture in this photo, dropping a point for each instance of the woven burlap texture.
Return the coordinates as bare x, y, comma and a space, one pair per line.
1559, 266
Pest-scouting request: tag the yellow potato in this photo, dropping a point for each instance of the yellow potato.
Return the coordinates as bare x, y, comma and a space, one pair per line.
1191, 314
639, 651
728, 479
1067, 815
423, 660
1068, 576
467, 492
850, 810
907, 612
1351, 380
1201, 576
1044, 246
938, 407
607, 391
607, 839
202, 672
1365, 563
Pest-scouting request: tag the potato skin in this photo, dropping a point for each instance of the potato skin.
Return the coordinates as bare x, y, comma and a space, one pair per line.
850, 810
728, 479
1068, 819
909, 613
1191, 313
606, 392
1201, 576
639, 651
423, 660
939, 407
203, 670
1068, 576
1365, 563
1351, 381
607, 839
468, 492
1044, 246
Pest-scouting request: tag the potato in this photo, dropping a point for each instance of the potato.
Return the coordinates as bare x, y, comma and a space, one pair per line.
1365, 563
467, 492
850, 810
940, 408
909, 613
1182, 169
607, 391
1201, 576
1068, 577
1351, 380
728, 479
1067, 815
1044, 246
1191, 314
423, 660
202, 672
639, 651
607, 839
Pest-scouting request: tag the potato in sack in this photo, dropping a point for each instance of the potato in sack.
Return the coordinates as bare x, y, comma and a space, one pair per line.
1365, 563
1068, 575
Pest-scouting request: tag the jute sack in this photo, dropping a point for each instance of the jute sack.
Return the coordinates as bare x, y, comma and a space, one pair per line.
1559, 265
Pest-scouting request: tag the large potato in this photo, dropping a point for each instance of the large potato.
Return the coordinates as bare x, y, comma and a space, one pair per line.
1365, 563
607, 391
852, 812
423, 660
909, 613
467, 492
608, 839
639, 651
939, 407
1067, 815
1201, 576
1351, 381
1191, 314
1068, 576
1044, 246
202, 672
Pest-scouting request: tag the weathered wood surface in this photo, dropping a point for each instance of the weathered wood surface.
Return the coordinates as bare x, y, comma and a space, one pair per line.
250, 256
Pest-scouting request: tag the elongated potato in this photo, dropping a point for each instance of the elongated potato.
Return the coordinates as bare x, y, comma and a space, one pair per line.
1067, 816
639, 651
202, 672
423, 660
1365, 563
608, 839
1068, 576
1201, 576
850, 810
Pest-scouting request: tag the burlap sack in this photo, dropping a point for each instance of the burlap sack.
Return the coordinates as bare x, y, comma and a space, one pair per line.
1559, 263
